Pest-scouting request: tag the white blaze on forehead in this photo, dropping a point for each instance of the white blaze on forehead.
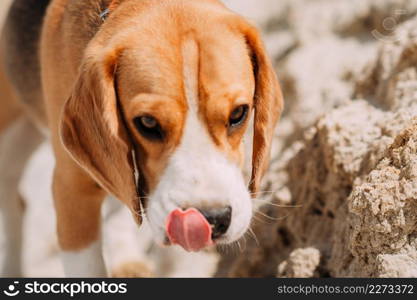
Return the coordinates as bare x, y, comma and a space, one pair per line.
190, 73
195, 133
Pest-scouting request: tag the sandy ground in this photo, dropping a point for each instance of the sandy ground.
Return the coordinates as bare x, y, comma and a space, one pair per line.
122, 241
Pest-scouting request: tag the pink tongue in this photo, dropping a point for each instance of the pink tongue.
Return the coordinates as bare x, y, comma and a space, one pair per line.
188, 229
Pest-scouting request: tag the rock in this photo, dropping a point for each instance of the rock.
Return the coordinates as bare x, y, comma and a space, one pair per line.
383, 207
341, 194
301, 263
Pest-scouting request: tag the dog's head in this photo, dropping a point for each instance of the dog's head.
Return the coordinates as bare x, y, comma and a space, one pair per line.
171, 92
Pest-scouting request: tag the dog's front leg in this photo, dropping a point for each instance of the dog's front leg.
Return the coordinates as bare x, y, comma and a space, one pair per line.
78, 202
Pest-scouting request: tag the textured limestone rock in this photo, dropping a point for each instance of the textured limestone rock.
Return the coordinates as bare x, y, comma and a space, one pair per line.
341, 195
301, 263
383, 219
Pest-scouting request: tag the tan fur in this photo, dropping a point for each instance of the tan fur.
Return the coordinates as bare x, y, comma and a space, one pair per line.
10, 110
97, 78
268, 106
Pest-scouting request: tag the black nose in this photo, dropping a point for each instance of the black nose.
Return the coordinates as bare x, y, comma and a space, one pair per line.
219, 218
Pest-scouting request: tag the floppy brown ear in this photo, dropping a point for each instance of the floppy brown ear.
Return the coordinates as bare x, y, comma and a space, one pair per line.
93, 131
268, 104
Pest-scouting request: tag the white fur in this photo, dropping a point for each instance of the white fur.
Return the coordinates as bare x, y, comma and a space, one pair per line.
16, 146
198, 174
123, 242
87, 262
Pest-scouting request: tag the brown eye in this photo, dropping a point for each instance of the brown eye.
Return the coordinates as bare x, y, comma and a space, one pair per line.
149, 128
238, 115
149, 122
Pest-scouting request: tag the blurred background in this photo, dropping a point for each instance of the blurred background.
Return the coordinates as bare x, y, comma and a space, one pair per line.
345, 76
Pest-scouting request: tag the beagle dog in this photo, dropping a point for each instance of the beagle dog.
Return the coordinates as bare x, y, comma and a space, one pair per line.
145, 100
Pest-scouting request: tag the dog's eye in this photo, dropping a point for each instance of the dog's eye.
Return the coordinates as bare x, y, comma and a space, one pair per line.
149, 122
238, 115
149, 127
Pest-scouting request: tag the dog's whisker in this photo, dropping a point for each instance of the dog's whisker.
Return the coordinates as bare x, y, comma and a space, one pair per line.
260, 220
224, 248
139, 214
227, 248
245, 243
269, 217
250, 230
240, 247
263, 192
236, 247
282, 206
275, 219
230, 248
